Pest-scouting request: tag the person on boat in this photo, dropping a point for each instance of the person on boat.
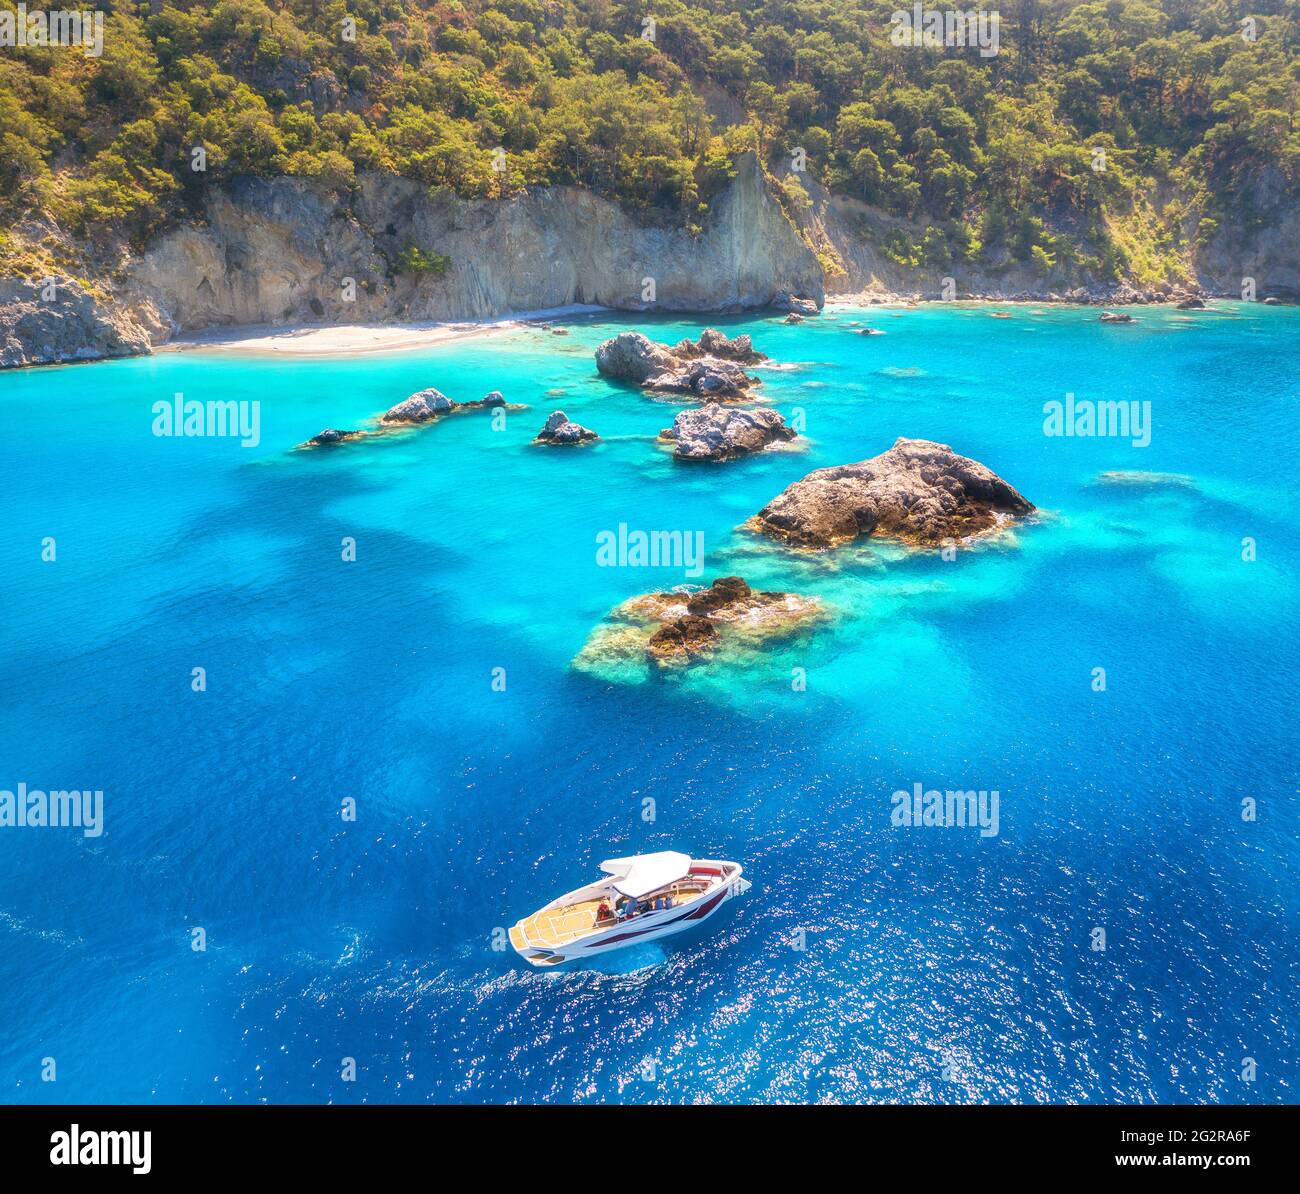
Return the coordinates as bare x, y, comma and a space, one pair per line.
603, 912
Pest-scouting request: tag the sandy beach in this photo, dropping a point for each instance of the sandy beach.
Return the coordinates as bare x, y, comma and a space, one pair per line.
320, 340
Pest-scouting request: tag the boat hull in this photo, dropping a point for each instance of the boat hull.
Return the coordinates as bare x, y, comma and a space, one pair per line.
652, 926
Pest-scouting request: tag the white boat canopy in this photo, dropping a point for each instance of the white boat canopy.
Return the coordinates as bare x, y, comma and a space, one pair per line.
641, 874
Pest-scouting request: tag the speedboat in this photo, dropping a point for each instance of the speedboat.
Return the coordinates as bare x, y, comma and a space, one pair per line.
638, 899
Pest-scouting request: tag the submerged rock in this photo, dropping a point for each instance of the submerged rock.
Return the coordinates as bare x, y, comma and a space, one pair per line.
558, 429
1115, 317
918, 491
793, 318
716, 432
1137, 478
668, 630
708, 368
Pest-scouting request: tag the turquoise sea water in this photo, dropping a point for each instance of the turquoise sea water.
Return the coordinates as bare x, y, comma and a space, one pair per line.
868, 963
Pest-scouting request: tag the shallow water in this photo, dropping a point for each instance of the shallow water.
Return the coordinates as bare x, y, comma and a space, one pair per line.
868, 963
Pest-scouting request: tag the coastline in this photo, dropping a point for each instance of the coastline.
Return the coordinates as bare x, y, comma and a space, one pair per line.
325, 341
355, 339
331, 340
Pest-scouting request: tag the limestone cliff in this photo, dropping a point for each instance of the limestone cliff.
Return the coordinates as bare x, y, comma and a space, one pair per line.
282, 251
287, 251
851, 238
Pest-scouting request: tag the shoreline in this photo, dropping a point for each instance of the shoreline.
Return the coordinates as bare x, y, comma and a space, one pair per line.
360, 339
327, 341
332, 340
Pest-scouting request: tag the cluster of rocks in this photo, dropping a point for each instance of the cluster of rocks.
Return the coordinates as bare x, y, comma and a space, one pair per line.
424, 406
797, 304
709, 368
559, 429
716, 432
919, 491
670, 630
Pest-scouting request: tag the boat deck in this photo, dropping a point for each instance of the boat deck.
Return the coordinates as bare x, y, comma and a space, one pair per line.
552, 927
559, 926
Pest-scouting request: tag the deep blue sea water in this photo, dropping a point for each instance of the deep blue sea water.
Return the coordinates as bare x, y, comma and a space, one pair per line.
868, 962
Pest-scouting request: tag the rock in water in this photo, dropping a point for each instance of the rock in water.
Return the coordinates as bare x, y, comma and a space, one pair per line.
918, 491
682, 639
709, 368
723, 593
331, 435
630, 356
558, 429
431, 404
419, 408
1139, 478
1192, 304
1116, 317
716, 432
712, 343
667, 630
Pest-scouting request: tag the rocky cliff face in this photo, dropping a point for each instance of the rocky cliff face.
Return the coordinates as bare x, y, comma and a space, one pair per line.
58, 319
284, 251
281, 251
1266, 249
850, 235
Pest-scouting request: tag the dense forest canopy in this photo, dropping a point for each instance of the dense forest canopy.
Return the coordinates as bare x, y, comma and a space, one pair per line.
648, 102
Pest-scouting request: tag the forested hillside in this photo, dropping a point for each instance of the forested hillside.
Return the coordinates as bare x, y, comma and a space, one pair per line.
1196, 114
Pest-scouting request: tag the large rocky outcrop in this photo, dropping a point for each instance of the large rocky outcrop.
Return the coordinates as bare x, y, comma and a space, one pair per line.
918, 491
715, 432
709, 368
45, 322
